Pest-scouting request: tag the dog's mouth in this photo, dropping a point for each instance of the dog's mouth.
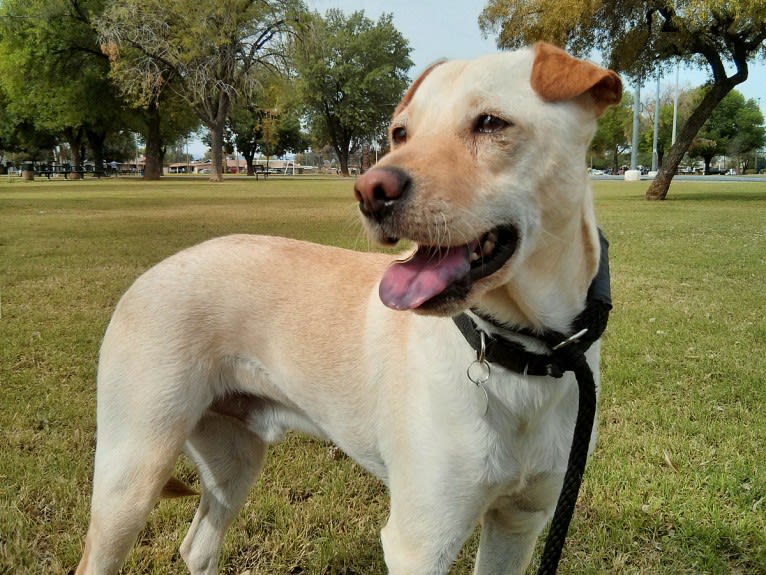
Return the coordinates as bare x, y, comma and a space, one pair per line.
435, 275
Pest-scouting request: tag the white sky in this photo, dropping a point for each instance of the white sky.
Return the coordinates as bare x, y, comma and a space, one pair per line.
435, 29
438, 29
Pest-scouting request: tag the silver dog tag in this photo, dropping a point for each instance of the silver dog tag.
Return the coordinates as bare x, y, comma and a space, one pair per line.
479, 372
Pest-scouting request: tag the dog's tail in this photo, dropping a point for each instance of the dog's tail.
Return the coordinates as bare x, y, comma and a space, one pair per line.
176, 488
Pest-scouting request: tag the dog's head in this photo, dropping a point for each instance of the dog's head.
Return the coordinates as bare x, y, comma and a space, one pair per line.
486, 172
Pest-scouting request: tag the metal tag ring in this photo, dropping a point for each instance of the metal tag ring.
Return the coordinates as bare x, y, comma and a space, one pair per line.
478, 372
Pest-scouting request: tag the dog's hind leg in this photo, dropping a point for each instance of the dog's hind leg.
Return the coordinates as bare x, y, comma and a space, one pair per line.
228, 457
148, 403
130, 472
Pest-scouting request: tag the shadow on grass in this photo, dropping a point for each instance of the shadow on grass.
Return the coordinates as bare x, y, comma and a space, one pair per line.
718, 195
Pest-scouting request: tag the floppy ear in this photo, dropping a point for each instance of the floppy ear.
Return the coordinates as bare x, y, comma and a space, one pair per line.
414, 87
557, 76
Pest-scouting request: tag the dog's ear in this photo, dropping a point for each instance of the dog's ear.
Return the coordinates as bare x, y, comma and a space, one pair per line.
557, 76
414, 87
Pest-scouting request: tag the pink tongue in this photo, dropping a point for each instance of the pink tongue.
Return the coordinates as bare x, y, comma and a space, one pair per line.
408, 284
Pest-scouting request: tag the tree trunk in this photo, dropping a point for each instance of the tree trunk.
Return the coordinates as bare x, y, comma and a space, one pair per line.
342, 151
216, 149
248, 152
75, 137
96, 140
153, 152
365, 158
343, 160
658, 190
339, 141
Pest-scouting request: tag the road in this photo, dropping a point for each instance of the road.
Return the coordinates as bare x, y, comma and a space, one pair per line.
714, 178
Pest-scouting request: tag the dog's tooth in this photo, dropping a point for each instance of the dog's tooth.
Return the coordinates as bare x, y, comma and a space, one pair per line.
492, 237
474, 257
487, 248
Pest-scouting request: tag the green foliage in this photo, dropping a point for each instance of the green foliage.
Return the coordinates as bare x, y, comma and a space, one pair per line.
750, 133
206, 52
637, 37
120, 146
351, 74
704, 148
735, 128
270, 124
641, 38
52, 70
612, 136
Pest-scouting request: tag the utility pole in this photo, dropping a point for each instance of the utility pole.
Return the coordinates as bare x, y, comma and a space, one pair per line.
755, 164
655, 137
633, 174
636, 118
675, 109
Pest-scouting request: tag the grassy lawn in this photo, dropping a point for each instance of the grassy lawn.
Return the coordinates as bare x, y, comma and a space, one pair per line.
677, 484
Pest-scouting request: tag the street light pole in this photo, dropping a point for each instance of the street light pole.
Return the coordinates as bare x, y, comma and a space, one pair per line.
636, 118
675, 109
633, 174
755, 166
655, 137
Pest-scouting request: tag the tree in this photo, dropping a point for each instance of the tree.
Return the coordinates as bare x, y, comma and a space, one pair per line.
351, 74
162, 122
208, 52
705, 149
121, 146
750, 133
269, 131
641, 38
7, 127
269, 124
735, 128
612, 136
55, 75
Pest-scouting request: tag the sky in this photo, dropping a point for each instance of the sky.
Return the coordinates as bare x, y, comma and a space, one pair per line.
437, 29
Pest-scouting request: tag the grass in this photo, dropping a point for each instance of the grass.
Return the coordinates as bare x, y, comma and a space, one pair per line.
678, 481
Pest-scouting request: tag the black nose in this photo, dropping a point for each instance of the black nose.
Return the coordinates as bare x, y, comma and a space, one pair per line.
379, 189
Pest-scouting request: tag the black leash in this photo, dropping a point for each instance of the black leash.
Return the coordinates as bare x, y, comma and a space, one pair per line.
567, 353
578, 456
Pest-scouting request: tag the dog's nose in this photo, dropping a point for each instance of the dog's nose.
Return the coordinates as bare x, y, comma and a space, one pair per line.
378, 189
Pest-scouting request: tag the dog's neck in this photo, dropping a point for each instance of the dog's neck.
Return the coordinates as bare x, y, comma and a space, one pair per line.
543, 351
550, 285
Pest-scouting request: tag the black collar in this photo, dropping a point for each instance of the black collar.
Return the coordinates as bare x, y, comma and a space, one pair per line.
558, 351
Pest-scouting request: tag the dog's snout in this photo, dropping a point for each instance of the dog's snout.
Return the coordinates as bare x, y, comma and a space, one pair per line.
379, 189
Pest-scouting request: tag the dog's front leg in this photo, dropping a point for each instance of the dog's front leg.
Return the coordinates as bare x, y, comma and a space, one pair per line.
429, 522
422, 542
511, 526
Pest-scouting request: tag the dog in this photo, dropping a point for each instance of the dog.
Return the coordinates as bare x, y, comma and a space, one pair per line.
221, 348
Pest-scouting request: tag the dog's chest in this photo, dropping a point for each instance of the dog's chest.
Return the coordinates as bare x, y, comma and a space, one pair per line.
529, 423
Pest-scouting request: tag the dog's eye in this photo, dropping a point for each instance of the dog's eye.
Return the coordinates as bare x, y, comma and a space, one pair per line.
399, 135
489, 124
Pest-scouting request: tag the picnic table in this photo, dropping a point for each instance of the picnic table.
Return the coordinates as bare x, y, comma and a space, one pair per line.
50, 170
259, 169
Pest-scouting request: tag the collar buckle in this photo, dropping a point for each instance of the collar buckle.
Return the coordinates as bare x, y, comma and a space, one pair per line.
574, 338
